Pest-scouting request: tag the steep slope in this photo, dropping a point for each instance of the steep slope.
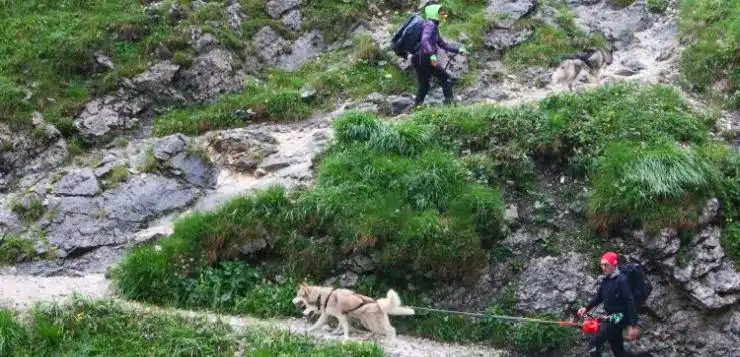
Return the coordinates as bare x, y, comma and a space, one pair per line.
125, 187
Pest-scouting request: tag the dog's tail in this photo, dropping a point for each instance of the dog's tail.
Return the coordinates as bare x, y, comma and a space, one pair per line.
392, 305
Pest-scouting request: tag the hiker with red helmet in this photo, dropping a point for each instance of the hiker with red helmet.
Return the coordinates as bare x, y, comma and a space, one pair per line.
616, 295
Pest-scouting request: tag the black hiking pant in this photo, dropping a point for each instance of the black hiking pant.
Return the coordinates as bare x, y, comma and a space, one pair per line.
424, 72
608, 332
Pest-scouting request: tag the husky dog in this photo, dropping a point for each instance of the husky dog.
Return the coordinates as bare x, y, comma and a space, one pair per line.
594, 59
343, 303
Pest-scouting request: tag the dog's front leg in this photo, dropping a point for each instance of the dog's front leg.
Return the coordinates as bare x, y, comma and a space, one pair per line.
322, 320
344, 322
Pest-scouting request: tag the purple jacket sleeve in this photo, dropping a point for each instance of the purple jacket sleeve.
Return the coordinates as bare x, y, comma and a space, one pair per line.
445, 45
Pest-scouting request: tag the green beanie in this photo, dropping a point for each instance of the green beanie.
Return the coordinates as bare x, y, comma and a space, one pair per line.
432, 12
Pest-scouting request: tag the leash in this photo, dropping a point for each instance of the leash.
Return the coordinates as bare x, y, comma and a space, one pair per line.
498, 317
591, 325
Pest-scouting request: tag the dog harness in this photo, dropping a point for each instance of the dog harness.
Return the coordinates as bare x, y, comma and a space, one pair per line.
365, 300
318, 300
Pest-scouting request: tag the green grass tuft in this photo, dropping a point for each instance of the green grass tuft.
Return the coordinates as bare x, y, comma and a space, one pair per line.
115, 176
660, 185
731, 243
12, 334
30, 213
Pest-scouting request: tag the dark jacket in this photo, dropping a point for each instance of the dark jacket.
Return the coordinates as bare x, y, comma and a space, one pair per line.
614, 292
430, 39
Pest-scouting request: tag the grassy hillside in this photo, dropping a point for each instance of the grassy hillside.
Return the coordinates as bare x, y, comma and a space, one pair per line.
422, 198
711, 64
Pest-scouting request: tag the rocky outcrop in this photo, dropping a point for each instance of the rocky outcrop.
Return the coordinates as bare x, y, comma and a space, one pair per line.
102, 117
511, 9
616, 24
22, 154
275, 50
234, 15
77, 224
241, 149
387, 105
270, 44
192, 165
304, 48
80, 182
212, 74
700, 266
9, 222
685, 330
554, 284
276, 8
157, 79
292, 20
506, 34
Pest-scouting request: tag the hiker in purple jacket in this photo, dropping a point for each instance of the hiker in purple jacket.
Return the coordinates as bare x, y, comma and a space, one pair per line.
425, 61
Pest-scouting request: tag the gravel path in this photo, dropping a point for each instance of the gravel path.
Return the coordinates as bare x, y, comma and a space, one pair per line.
21, 292
18, 291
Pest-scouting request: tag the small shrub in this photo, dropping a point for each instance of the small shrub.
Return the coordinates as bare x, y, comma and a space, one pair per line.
14, 249
657, 6
115, 176
366, 50
149, 163
727, 160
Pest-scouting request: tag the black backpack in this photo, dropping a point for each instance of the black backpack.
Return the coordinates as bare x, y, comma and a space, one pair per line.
638, 281
408, 38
